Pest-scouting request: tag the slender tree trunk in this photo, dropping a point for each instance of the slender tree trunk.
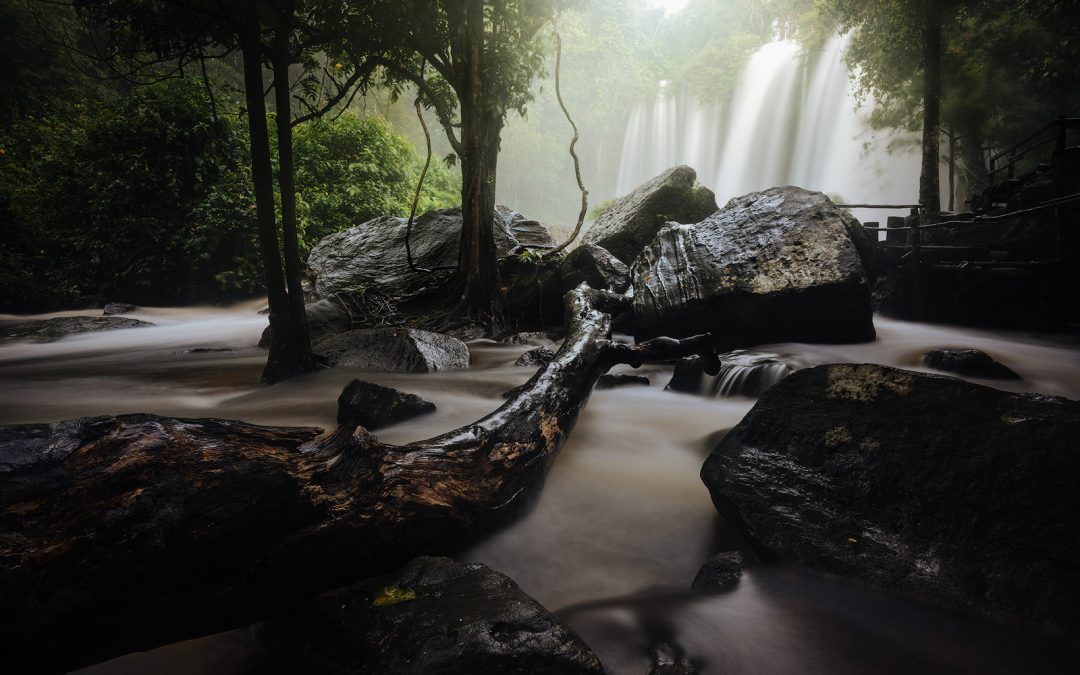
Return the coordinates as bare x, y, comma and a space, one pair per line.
477, 275
263, 181
296, 357
972, 164
929, 180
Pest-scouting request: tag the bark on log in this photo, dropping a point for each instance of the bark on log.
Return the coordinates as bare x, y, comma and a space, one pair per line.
122, 533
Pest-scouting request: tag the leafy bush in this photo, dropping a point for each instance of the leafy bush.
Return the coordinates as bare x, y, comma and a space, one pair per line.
145, 197
352, 169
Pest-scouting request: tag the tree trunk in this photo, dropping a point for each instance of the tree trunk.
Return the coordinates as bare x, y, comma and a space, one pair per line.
972, 164
477, 273
122, 533
929, 180
278, 360
295, 356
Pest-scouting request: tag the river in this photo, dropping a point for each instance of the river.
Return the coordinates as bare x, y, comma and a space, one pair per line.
623, 521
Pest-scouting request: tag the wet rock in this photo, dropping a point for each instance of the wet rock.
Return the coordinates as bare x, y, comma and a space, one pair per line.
324, 317
689, 376
616, 380
97, 301
775, 266
949, 491
374, 406
434, 615
970, 362
593, 265
400, 350
541, 356
719, 573
667, 660
202, 350
118, 308
371, 256
51, 330
633, 220
526, 338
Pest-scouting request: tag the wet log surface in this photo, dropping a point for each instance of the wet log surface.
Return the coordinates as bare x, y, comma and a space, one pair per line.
122, 533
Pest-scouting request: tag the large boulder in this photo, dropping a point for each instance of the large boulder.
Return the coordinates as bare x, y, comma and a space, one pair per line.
324, 318
950, 491
371, 256
374, 406
774, 266
631, 222
399, 350
595, 266
51, 330
434, 616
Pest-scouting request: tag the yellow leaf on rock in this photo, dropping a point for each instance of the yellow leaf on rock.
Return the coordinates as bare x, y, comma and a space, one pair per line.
392, 595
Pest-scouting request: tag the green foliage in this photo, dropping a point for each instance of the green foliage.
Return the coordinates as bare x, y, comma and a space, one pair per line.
352, 168
145, 197
598, 210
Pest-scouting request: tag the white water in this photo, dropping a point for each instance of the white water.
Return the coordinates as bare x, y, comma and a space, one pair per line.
623, 521
790, 121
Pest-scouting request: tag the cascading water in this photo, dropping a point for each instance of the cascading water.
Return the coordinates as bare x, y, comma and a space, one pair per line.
790, 121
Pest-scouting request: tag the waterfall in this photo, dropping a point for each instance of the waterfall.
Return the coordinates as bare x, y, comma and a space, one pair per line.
791, 120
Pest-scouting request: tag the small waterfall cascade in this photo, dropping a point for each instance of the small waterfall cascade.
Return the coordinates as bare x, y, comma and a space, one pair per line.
744, 373
791, 120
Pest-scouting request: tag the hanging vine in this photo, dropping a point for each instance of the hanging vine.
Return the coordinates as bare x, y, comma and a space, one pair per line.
573, 143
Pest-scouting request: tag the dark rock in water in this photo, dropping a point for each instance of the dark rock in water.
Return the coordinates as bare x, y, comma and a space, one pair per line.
51, 330
952, 492
970, 362
719, 573
615, 380
374, 406
118, 308
202, 350
372, 254
689, 376
324, 317
633, 220
433, 616
774, 266
593, 265
541, 356
526, 338
666, 660
400, 350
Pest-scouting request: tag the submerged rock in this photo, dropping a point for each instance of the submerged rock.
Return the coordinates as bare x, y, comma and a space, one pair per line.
118, 308
540, 356
371, 256
667, 660
399, 350
774, 266
595, 266
374, 406
952, 492
970, 362
433, 616
719, 573
632, 221
51, 330
616, 380
689, 376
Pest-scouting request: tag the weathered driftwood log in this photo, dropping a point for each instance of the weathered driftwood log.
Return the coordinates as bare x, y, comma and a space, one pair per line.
122, 533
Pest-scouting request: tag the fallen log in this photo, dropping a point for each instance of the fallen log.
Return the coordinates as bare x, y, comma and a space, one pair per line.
122, 533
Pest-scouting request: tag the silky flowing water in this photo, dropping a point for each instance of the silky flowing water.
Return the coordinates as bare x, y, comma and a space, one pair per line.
623, 521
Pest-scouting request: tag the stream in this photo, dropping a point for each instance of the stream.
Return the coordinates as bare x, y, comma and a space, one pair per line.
623, 522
